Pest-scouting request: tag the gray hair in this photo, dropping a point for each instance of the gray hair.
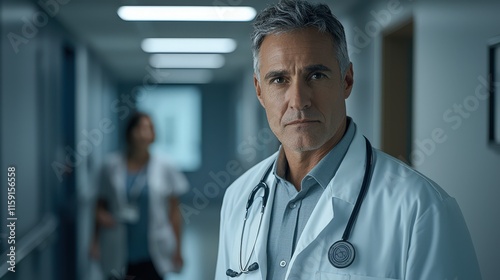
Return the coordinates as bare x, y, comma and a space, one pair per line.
289, 15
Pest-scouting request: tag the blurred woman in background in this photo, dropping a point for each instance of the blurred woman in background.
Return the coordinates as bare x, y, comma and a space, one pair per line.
138, 222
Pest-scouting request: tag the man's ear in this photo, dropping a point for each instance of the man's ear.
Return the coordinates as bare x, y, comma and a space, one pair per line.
258, 90
348, 81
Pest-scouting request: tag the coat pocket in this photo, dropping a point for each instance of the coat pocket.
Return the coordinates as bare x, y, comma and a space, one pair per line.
339, 276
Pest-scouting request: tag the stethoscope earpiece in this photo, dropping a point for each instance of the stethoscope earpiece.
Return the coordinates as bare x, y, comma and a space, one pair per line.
232, 273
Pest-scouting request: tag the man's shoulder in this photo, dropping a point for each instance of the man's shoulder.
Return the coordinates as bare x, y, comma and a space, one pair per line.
395, 174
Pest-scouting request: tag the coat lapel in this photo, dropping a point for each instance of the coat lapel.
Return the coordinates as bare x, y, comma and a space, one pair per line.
345, 185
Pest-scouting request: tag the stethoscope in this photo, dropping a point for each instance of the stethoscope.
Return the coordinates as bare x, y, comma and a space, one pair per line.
341, 254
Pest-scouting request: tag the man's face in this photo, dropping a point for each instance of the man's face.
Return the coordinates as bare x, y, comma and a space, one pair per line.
302, 90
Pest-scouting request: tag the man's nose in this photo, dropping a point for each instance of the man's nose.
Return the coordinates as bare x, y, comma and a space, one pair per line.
299, 95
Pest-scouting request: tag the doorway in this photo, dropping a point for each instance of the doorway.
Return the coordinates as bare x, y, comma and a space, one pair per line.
397, 91
68, 203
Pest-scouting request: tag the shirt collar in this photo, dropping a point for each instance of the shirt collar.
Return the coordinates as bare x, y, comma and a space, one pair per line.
324, 171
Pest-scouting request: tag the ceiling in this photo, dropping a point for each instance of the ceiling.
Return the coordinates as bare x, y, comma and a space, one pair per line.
117, 43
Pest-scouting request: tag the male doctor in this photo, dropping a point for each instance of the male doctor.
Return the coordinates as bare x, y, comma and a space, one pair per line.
405, 227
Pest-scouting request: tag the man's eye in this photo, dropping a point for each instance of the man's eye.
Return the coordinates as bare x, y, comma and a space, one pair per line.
278, 80
317, 76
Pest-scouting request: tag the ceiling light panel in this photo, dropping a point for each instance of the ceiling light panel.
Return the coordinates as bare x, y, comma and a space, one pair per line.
183, 76
188, 45
187, 60
186, 13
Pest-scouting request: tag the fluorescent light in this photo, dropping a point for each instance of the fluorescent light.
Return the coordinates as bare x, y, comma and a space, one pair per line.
187, 60
183, 76
188, 45
186, 13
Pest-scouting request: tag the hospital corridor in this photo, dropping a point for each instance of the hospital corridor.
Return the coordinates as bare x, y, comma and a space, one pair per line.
124, 122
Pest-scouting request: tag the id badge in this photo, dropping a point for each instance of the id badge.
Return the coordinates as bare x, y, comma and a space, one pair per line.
130, 213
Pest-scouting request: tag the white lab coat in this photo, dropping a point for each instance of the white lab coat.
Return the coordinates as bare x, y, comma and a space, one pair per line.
163, 181
407, 228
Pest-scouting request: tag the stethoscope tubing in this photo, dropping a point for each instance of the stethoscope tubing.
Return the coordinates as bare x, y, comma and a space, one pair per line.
362, 192
262, 185
347, 231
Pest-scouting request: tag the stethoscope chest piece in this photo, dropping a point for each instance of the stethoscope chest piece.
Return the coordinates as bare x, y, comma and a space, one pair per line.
341, 254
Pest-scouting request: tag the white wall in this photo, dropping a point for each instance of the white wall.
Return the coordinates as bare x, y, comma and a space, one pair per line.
451, 57
450, 60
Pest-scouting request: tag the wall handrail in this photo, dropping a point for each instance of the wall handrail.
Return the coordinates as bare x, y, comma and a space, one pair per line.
32, 240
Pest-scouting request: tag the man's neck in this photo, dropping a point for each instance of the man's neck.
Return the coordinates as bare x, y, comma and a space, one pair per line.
301, 162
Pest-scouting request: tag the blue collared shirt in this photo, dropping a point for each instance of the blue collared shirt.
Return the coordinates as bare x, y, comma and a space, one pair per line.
291, 208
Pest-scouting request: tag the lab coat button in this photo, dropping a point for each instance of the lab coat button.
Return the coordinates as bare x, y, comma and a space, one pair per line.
282, 263
293, 205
